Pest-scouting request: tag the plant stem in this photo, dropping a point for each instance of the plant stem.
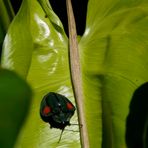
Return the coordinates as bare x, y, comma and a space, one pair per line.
76, 75
6, 14
51, 15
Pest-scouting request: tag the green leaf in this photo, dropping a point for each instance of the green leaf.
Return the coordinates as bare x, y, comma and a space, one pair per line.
48, 71
18, 43
114, 60
15, 97
113, 53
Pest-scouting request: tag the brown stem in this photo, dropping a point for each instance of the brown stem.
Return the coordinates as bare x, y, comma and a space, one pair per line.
76, 75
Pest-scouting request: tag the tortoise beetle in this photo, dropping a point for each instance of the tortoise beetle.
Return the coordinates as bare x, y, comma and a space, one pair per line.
57, 110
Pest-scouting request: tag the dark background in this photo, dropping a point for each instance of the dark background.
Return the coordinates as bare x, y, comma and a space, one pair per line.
59, 7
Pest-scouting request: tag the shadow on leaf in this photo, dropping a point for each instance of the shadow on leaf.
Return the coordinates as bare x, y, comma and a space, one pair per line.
137, 119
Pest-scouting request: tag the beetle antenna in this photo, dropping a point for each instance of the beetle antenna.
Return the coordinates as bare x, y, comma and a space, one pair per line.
77, 124
61, 135
74, 124
71, 130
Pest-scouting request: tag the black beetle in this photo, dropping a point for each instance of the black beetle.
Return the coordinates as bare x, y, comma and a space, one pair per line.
57, 110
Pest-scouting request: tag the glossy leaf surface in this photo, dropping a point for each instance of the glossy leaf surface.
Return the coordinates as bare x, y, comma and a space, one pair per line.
113, 53
18, 43
48, 71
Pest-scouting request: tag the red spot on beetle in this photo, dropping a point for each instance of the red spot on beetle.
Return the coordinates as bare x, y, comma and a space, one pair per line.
69, 106
46, 110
